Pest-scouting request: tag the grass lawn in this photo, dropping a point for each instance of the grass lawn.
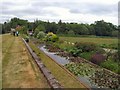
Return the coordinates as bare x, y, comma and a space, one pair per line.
96, 40
18, 67
60, 74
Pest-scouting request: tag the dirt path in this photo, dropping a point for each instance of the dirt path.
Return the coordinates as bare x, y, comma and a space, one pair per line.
19, 70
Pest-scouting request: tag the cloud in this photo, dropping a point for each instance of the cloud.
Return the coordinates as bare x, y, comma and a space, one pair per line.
85, 11
97, 9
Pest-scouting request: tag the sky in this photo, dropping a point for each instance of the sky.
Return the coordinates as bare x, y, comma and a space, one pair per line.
79, 11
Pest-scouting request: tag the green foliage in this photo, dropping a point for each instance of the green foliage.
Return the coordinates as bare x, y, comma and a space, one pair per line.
110, 46
56, 44
26, 37
23, 30
51, 37
103, 45
111, 65
6, 27
36, 32
16, 21
40, 28
82, 69
100, 50
113, 46
99, 28
41, 35
87, 55
103, 28
75, 52
71, 32
86, 46
115, 57
115, 33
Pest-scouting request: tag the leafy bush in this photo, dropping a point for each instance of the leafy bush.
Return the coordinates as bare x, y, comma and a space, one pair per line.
40, 27
56, 44
98, 58
75, 52
52, 37
113, 46
71, 32
111, 65
36, 32
86, 46
100, 51
40, 35
103, 46
115, 56
87, 55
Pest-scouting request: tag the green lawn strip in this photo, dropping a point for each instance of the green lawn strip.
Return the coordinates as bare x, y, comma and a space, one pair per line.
88, 39
60, 74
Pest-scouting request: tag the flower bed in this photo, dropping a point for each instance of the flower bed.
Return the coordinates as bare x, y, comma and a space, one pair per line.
99, 77
96, 75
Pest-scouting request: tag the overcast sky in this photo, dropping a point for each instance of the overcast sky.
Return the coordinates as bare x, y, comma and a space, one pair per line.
81, 11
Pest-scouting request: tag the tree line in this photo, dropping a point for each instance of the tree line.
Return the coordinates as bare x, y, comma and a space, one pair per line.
98, 28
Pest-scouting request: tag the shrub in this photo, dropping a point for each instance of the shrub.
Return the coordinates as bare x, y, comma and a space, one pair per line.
86, 46
71, 32
111, 65
115, 56
87, 55
40, 35
103, 46
113, 46
98, 58
100, 51
36, 32
56, 45
75, 52
52, 37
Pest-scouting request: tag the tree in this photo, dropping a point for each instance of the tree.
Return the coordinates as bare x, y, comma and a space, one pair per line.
115, 33
61, 28
51, 27
84, 30
40, 28
103, 28
71, 32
